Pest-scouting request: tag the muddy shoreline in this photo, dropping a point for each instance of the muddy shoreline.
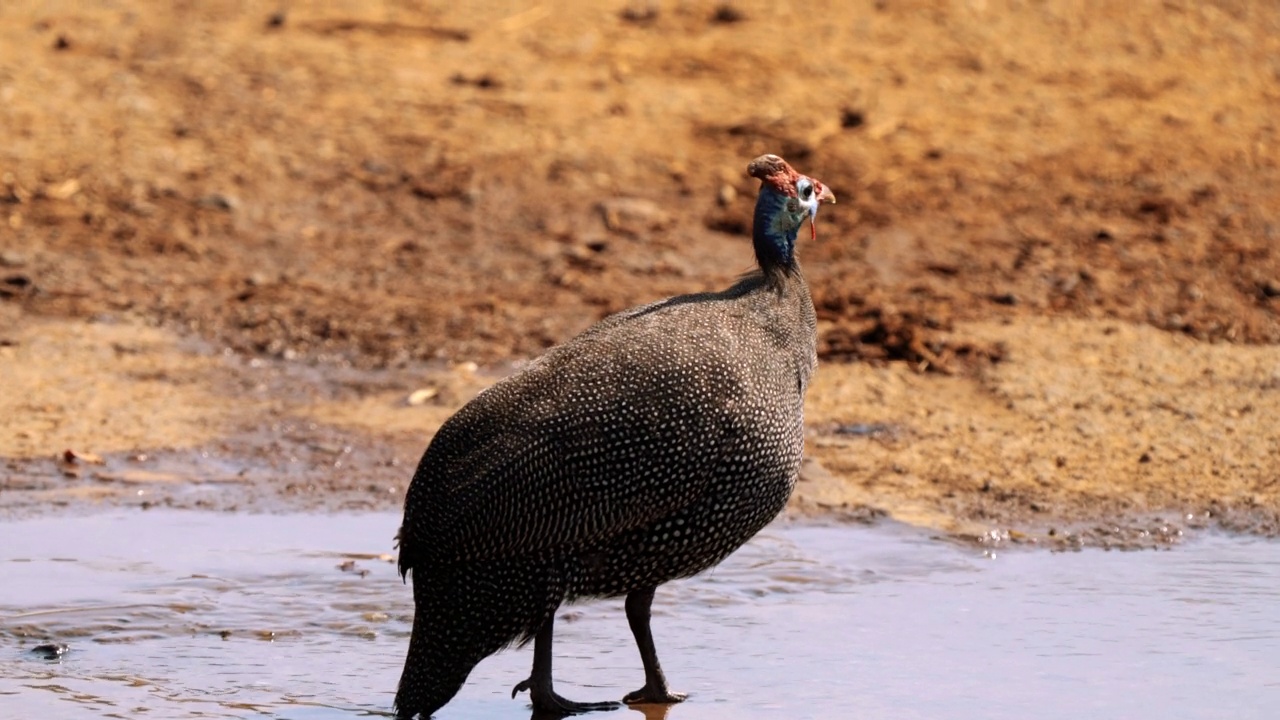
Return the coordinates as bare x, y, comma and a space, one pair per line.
131, 416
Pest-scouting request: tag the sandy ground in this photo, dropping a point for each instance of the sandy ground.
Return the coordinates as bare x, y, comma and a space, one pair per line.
235, 242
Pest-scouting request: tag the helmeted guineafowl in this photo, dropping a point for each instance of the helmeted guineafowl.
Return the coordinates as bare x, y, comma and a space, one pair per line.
646, 449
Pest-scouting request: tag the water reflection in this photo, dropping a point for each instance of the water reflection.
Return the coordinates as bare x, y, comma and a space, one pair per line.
189, 615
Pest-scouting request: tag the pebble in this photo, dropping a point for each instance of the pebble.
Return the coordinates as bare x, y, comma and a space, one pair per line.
421, 396
64, 190
50, 651
727, 195
634, 215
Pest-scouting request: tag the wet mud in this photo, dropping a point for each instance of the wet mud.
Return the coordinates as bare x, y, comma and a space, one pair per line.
1029, 451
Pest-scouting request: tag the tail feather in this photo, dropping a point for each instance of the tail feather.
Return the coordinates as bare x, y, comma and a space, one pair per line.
463, 614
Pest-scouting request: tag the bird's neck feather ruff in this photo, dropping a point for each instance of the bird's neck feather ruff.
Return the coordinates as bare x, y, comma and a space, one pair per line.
774, 230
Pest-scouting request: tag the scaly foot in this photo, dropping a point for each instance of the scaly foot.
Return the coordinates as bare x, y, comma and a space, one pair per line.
546, 700
654, 695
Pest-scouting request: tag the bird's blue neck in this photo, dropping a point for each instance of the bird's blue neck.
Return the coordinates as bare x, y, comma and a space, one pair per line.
774, 231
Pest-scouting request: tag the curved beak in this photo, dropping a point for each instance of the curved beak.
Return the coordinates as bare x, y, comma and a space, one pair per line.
824, 195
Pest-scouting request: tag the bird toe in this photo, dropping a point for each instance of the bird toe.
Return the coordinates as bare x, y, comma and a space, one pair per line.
653, 696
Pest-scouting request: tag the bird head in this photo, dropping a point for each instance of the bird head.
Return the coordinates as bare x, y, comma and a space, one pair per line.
786, 199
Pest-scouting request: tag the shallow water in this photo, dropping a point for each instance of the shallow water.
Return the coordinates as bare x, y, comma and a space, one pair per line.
197, 615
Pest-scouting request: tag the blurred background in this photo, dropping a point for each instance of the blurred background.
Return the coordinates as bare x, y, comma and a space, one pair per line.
385, 182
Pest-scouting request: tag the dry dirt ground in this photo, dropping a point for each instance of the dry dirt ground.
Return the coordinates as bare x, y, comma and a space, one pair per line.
237, 238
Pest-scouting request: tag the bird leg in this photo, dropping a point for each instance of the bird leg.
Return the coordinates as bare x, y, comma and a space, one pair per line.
539, 685
655, 688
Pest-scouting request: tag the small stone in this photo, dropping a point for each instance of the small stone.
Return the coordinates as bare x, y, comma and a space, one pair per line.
50, 651
72, 457
727, 194
421, 396
64, 190
218, 201
633, 216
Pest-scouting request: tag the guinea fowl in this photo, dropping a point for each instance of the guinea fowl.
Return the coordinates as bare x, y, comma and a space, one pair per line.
646, 449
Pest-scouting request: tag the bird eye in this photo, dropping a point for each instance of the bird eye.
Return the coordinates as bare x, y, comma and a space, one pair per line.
806, 191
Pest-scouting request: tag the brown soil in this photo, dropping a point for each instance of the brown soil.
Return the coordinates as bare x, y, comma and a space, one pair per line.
234, 243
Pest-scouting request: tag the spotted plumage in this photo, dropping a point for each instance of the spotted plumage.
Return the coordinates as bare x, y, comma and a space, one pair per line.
646, 449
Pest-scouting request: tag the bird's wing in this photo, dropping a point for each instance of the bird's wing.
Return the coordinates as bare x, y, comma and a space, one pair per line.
570, 452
